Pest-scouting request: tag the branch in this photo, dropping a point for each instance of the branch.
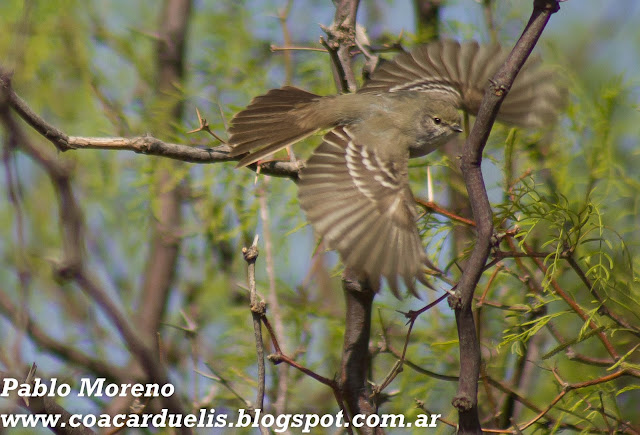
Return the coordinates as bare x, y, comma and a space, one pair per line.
73, 267
536, 288
397, 368
280, 357
341, 39
603, 308
466, 398
282, 378
354, 367
566, 387
428, 19
145, 144
575, 307
435, 208
258, 309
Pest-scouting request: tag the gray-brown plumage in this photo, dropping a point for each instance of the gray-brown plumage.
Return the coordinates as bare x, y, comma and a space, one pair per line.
465, 69
355, 187
364, 209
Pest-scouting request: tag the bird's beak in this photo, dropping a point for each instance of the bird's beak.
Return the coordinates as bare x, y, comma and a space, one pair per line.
456, 128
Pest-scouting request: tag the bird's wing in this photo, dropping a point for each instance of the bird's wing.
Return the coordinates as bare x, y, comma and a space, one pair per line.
363, 208
428, 68
462, 72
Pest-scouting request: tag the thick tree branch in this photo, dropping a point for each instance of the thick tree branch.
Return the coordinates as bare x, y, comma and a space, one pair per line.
466, 398
354, 368
341, 39
59, 139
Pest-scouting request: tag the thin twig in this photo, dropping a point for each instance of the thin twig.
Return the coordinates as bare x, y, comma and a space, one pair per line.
397, 368
272, 296
295, 48
280, 357
603, 308
225, 383
574, 305
258, 309
435, 208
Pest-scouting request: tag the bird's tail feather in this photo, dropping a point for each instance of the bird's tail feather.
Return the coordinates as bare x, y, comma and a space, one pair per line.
271, 122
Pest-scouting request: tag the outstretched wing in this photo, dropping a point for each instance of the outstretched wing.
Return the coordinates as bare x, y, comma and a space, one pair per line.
271, 123
363, 208
464, 70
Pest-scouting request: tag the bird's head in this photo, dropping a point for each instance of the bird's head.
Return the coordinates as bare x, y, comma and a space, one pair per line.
438, 121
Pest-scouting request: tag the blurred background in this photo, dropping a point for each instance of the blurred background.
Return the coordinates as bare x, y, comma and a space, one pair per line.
91, 69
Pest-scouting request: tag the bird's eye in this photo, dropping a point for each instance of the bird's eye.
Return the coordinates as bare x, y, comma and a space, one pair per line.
437, 120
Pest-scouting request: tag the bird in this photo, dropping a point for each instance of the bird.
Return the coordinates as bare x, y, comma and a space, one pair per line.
354, 189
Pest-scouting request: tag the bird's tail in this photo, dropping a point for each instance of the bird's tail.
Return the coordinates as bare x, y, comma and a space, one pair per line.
273, 121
